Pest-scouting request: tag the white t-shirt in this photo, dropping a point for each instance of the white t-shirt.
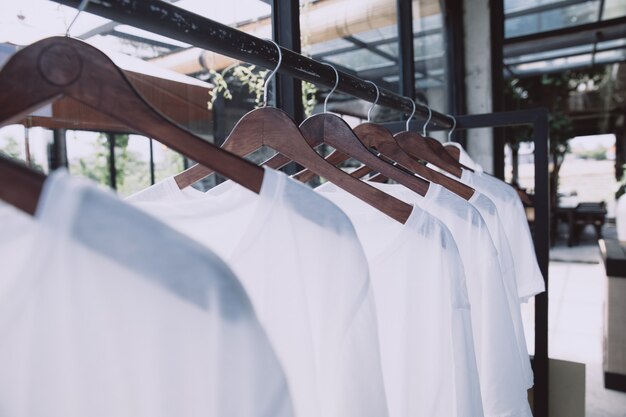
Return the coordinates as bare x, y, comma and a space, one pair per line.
527, 273
299, 258
428, 358
502, 380
489, 213
115, 314
464, 157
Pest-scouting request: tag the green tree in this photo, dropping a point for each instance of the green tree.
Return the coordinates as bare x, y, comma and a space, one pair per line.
13, 149
131, 172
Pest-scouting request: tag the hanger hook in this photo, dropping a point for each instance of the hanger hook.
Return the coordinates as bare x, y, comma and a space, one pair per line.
430, 116
269, 78
334, 87
369, 112
453, 127
411, 116
81, 7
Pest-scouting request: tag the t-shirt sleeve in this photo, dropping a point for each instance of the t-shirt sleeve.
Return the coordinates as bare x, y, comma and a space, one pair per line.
529, 278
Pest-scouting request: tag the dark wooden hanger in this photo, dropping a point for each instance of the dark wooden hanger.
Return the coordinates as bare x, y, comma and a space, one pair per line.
454, 152
379, 138
335, 132
62, 66
21, 186
416, 146
272, 127
269, 126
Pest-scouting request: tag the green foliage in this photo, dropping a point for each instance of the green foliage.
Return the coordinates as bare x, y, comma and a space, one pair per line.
243, 75
309, 97
96, 165
11, 148
132, 173
250, 78
598, 154
551, 91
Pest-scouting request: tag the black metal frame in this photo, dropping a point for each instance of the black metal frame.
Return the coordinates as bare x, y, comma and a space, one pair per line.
406, 86
538, 118
286, 29
496, 17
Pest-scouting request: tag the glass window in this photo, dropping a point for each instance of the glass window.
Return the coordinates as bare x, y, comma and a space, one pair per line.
89, 155
132, 164
614, 9
27, 145
361, 40
429, 48
574, 15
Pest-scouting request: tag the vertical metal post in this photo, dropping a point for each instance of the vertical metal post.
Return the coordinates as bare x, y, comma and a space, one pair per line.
152, 180
455, 61
542, 248
405, 48
112, 171
286, 30
496, 15
57, 152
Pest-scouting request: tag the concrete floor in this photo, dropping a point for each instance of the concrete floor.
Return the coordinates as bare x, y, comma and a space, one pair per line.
577, 293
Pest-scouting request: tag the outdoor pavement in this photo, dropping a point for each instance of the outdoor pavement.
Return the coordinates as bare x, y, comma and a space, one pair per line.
577, 292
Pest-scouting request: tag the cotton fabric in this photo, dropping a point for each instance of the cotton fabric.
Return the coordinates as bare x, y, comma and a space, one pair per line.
115, 314
502, 379
299, 259
423, 311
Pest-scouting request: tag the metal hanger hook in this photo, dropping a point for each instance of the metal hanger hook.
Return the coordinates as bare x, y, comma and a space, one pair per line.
430, 116
334, 87
369, 112
453, 127
81, 7
273, 73
411, 116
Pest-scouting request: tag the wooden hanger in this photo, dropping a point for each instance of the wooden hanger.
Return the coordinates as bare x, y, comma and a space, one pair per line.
441, 151
454, 152
417, 147
21, 186
62, 66
269, 126
335, 132
379, 138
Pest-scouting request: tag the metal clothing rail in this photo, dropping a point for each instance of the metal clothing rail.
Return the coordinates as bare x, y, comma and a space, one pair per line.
538, 119
174, 22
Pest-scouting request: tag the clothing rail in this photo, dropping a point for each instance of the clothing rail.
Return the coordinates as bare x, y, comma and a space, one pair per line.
174, 22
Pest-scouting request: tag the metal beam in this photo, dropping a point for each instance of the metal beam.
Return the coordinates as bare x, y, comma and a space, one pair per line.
543, 8
455, 61
338, 51
185, 26
612, 29
286, 30
496, 21
363, 45
406, 48
421, 66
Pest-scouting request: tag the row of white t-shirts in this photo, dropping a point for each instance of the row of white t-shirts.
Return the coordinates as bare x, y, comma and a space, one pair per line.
105, 311
279, 243
503, 363
303, 267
